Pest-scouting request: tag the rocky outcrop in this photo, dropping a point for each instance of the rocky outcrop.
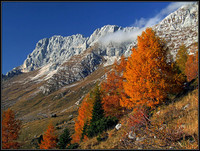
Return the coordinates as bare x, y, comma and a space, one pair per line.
12, 73
73, 70
54, 50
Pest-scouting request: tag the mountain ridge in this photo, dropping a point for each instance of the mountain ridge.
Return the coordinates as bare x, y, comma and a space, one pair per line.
50, 54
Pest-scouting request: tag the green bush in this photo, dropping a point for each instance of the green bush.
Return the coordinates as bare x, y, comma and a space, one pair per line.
64, 139
101, 125
98, 138
73, 146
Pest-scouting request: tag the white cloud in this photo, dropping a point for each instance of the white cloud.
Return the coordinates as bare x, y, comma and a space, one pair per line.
172, 7
119, 37
156, 19
142, 24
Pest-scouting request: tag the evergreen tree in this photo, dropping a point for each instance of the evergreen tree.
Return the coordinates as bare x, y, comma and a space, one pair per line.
84, 132
64, 139
95, 126
97, 112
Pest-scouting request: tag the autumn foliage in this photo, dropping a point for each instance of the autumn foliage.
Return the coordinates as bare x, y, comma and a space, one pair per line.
113, 89
181, 58
10, 130
84, 114
191, 69
49, 138
149, 78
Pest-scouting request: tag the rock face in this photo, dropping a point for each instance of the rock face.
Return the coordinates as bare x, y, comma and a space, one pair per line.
57, 49
75, 69
179, 27
64, 60
54, 50
12, 73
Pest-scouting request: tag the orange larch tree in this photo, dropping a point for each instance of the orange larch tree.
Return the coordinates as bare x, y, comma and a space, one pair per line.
84, 114
10, 130
112, 89
191, 69
49, 138
149, 78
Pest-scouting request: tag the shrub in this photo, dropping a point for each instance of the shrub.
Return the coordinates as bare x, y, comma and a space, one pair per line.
138, 119
64, 139
98, 138
73, 146
99, 126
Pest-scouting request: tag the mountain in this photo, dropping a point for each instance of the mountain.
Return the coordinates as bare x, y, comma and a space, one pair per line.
60, 71
63, 60
179, 27
54, 51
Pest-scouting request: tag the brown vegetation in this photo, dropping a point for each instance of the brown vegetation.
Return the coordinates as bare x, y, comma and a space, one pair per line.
10, 130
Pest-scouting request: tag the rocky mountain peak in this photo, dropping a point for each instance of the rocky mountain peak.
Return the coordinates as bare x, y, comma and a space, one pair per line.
54, 50
51, 53
100, 32
180, 27
58, 49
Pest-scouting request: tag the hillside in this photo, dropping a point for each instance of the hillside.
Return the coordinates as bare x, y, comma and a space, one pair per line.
55, 78
181, 113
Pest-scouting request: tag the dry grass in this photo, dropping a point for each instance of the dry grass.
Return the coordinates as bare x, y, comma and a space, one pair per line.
179, 129
29, 108
175, 113
35, 128
112, 141
181, 114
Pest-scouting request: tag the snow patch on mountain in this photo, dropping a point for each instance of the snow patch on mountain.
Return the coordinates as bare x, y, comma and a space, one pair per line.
110, 60
43, 71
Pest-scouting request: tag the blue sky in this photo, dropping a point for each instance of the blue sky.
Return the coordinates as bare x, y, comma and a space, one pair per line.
25, 23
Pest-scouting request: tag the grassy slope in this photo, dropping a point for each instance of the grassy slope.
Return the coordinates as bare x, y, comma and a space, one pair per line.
35, 110
173, 115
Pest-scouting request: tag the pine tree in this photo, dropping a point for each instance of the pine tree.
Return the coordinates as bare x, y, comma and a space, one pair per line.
10, 130
84, 132
97, 123
97, 112
64, 139
49, 138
